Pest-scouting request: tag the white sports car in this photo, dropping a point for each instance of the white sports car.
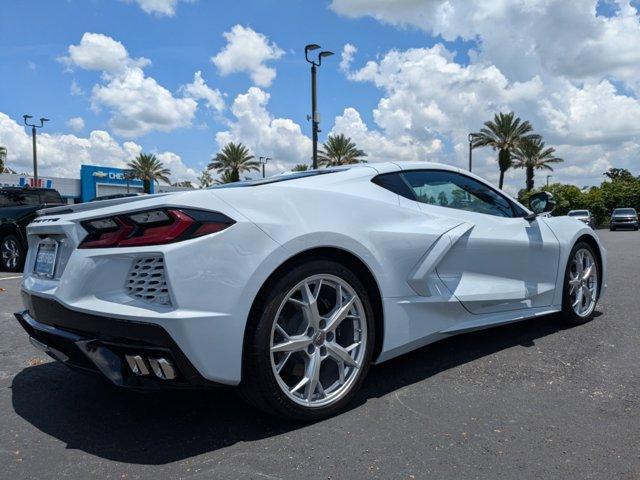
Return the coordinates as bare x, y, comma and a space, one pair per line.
290, 287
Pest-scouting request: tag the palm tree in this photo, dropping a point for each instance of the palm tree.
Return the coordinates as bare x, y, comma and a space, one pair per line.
301, 167
339, 150
149, 169
226, 177
205, 180
532, 155
234, 159
505, 133
3, 157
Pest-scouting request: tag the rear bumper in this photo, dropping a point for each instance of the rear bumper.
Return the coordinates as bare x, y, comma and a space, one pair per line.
101, 344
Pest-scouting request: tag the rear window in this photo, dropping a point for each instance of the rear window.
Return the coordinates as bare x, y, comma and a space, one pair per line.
578, 213
278, 178
624, 211
14, 198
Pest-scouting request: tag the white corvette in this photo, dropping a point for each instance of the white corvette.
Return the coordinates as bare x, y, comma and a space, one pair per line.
290, 287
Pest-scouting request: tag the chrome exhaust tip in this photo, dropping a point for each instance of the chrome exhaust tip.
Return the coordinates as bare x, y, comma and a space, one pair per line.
137, 364
163, 368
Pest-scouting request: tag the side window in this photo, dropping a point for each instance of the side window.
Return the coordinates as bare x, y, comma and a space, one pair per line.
452, 190
50, 196
394, 183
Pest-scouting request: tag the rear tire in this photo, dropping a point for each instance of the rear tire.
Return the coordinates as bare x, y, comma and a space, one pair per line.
281, 316
581, 285
11, 254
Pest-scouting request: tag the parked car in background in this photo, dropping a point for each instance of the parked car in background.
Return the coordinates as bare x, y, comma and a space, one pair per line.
624, 218
584, 216
290, 287
18, 207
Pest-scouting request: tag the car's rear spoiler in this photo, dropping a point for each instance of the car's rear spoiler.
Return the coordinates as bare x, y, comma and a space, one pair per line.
84, 207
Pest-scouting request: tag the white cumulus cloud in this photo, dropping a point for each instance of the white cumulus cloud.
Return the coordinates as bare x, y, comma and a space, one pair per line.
279, 138
199, 90
76, 123
160, 7
248, 51
60, 155
138, 104
348, 52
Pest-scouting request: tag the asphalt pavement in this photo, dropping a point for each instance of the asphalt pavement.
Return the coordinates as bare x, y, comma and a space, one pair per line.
528, 400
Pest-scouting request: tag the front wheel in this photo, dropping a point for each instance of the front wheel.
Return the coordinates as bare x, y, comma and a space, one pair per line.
581, 284
310, 344
11, 254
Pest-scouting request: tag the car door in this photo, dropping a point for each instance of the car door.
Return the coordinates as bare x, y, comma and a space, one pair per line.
498, 260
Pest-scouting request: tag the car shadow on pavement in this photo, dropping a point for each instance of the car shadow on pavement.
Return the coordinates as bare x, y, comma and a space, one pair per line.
90, 415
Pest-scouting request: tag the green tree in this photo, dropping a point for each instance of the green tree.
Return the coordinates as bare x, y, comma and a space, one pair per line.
339, 150
3, 157
619, 174
183, 184
205, 179
149, 169
225, 177
301, 167
533, 155
504, 133
233, 160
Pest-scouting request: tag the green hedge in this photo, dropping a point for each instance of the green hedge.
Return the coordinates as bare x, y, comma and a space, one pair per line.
599, 200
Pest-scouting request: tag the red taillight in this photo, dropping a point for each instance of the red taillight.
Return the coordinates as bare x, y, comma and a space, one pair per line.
152, 227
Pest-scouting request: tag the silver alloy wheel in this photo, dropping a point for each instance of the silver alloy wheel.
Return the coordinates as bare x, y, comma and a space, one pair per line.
10, 253
318, 341
583, 283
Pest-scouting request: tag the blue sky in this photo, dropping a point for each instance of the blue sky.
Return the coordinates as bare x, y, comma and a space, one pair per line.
417, 117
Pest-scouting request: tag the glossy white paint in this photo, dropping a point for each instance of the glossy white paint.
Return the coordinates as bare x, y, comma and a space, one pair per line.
440, 271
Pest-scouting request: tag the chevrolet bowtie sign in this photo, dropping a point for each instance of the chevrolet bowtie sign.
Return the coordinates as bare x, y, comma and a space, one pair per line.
111, 175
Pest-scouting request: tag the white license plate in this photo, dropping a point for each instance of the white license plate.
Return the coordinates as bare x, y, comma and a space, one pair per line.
46, 259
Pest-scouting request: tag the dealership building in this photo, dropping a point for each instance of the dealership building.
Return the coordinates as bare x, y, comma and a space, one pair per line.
94, 182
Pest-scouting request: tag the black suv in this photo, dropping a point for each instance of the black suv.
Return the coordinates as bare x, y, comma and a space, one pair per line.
18, 206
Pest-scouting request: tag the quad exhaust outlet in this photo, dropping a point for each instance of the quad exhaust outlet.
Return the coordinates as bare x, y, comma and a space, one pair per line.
162, 368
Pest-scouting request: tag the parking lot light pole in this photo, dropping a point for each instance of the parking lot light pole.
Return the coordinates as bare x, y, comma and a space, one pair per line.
263, 161
470, 151
33, 135
315, 116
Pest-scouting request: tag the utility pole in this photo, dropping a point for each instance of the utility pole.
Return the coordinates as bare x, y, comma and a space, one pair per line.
315, 115
263, 161
35, 150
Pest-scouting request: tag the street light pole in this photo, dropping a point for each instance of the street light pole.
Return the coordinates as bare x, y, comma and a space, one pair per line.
315, 115
35, 151
548, 176
470, 151
263, 161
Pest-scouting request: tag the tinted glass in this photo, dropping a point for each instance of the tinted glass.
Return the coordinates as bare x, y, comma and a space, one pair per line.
578, 213
624, 211
9, 198
50, 196
395, 183
452, 190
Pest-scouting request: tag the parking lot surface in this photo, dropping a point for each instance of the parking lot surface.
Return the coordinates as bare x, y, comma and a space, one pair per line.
528, 400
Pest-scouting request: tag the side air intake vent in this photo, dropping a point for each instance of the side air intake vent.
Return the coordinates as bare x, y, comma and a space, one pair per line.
146, 281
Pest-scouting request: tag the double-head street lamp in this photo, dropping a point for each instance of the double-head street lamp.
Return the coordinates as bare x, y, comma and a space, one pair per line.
263, 161
33, 135
315, 115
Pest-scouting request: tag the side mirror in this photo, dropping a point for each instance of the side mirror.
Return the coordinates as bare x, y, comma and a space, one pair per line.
541, 202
